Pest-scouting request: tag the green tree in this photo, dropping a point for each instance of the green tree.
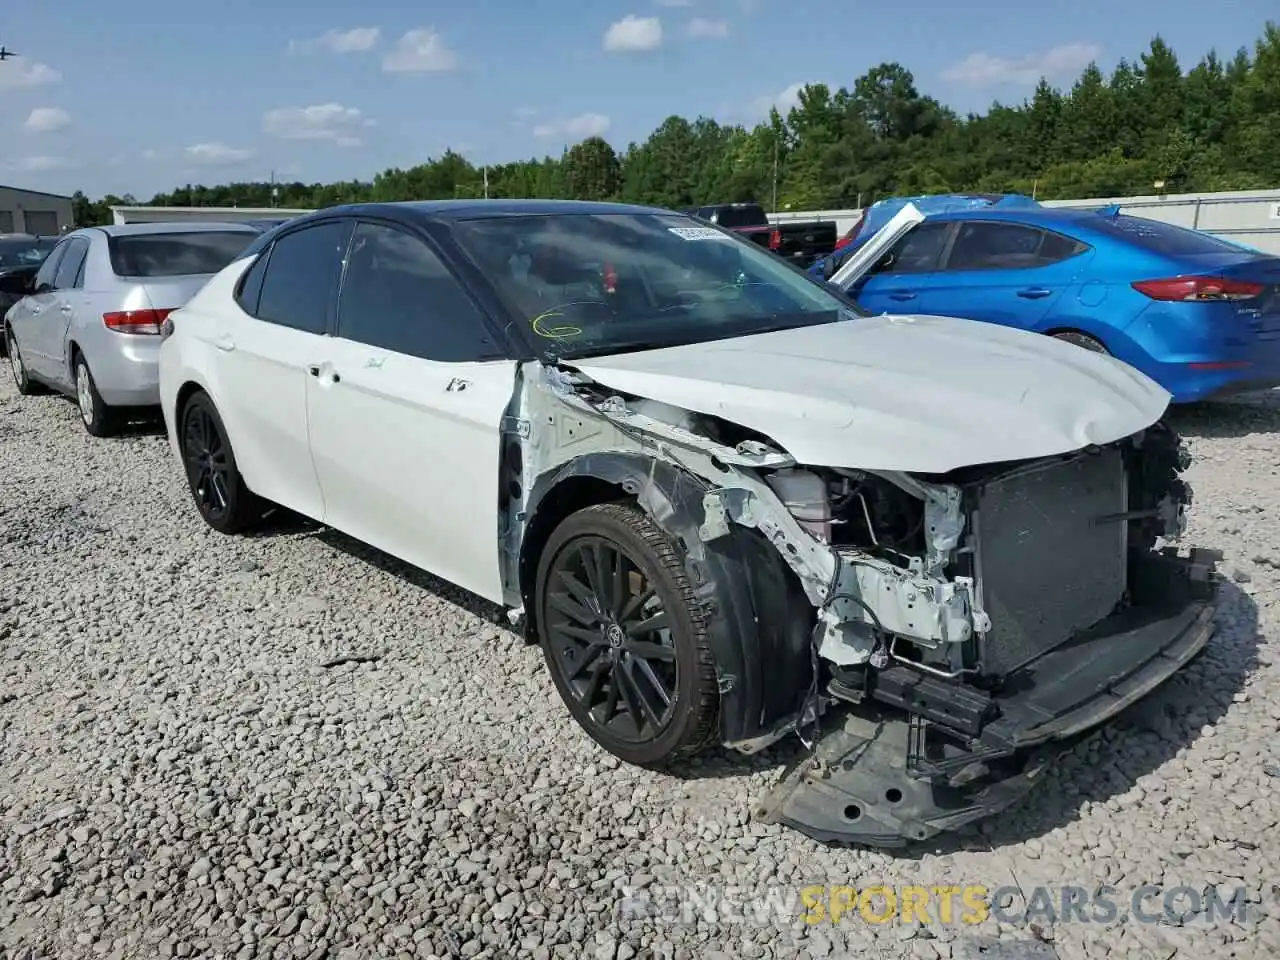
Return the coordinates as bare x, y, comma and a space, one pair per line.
592, 170
1215, 127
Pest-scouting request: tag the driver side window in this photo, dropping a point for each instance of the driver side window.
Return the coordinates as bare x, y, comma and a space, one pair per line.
920, 251
397, 294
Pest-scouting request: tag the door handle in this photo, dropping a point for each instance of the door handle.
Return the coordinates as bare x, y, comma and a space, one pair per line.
225, 344
65, 308
902, 295
34, 310
1034, 293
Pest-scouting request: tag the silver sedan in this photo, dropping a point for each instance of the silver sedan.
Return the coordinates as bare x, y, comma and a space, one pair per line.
90, 325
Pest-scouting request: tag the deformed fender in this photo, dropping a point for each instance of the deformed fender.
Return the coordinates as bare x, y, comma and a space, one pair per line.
759, 621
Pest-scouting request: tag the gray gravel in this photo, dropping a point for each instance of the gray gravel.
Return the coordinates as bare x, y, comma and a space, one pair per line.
182, 775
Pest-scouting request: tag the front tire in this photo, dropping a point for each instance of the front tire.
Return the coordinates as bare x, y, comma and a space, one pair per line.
624, 638
21, 378
218, 490
99, 419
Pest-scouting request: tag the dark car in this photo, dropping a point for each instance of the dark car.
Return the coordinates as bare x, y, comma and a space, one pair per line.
802, 241
20, 257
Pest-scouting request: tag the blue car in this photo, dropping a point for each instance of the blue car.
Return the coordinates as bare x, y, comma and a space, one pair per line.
882, 211
1199, 315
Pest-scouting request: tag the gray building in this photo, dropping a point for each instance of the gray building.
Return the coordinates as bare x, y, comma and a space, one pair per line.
30, 211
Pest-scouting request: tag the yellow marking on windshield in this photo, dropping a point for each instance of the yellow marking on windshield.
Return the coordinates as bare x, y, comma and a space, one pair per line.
562, 332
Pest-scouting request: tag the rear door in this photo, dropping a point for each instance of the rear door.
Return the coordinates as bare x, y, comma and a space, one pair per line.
405, 405
1008, 273
69, 298
262, 351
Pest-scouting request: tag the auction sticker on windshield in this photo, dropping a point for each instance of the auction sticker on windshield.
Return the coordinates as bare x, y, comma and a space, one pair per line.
698, 233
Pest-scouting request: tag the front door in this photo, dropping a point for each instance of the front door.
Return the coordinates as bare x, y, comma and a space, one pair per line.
33, 314
405, 406
262, 353
904, 279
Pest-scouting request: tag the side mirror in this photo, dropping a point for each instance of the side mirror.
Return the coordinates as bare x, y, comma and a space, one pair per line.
42, 288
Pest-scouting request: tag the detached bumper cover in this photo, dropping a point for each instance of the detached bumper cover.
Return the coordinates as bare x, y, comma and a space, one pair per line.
876, 780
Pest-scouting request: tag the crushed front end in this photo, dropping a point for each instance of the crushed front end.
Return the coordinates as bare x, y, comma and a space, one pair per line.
978, 623
935, 638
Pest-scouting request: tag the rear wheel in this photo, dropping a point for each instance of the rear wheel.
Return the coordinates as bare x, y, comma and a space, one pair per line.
217, 488
98, 418
628, 654
21, 379
1081, 340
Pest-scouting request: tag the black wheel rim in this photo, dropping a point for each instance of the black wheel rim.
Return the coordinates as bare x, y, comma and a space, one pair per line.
208, 466
609, 637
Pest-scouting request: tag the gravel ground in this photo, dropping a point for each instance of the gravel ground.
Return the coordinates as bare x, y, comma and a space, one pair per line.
185, 771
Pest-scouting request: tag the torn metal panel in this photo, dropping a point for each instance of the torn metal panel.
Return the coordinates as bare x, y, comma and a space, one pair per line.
880, 243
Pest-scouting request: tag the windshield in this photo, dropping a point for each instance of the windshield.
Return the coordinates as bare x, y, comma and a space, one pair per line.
185, 253
25, 253
590, 284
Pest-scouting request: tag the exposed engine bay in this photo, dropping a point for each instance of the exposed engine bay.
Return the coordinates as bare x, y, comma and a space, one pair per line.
958, 623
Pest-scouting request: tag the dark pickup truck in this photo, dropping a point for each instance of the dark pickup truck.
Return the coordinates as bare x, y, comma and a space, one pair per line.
802, 241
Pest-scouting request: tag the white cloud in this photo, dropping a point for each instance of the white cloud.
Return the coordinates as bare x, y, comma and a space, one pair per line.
43, 164
15, 75
355, 40
784, 101
217, 154
323, 121
985, 70
149, 154
634, 33
576, 128
47, 120
420, 51
702, 28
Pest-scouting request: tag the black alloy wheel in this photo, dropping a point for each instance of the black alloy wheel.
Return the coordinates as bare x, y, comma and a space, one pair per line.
627, 656
217, 488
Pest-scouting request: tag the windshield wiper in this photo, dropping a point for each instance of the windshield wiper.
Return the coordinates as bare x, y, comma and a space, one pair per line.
620, 346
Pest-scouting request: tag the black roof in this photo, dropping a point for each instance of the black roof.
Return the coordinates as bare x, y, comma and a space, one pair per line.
450, 210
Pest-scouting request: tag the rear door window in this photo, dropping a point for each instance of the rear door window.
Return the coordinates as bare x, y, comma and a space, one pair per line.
398, 294
189, 253
744, 216
72, 263
300, 282
990, 245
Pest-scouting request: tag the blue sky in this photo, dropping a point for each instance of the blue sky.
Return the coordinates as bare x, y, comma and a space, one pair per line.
158, 93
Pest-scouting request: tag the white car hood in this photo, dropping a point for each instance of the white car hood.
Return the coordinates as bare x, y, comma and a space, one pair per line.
910, 393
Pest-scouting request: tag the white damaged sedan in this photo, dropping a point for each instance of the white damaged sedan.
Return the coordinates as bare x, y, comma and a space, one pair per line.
728, 503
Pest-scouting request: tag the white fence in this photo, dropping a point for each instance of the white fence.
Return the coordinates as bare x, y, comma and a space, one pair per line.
1251, 217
